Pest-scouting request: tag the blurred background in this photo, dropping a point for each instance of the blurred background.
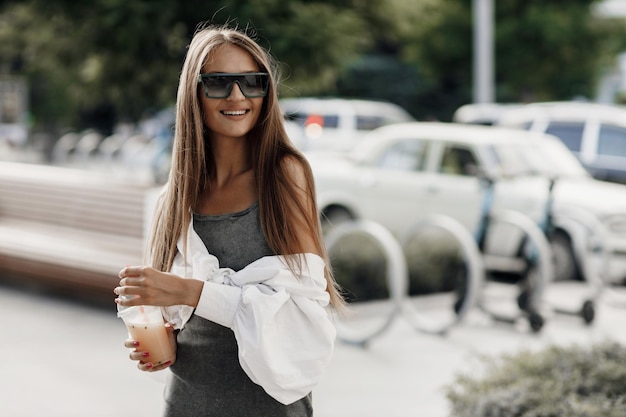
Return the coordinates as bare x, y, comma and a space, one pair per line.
112, 66
87, 95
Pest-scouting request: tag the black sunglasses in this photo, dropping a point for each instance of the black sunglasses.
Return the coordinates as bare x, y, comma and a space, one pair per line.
220, 85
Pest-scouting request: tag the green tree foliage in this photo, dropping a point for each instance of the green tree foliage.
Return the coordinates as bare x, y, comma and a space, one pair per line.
116, 59
86, 58
566, 55
543, 50
315, 57
44, 56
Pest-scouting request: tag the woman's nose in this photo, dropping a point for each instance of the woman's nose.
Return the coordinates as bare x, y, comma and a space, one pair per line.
235, 92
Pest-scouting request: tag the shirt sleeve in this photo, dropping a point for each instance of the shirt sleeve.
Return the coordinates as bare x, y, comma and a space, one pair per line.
283, 329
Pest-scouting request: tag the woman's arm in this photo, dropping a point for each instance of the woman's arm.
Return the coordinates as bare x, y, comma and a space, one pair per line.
153, 287
303, 195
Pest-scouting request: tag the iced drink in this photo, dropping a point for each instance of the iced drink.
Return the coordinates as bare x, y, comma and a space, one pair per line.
145, 325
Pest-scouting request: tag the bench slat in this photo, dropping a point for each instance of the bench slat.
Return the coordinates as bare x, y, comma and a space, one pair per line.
70, 226
79, 212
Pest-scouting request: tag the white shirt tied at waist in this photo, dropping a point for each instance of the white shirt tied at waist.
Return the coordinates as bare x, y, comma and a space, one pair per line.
283, 330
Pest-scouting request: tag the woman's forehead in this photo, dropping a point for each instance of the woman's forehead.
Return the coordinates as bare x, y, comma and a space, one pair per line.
231, 59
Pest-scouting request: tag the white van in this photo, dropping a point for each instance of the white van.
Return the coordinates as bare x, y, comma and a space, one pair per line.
336, 124
482, 113
594, 132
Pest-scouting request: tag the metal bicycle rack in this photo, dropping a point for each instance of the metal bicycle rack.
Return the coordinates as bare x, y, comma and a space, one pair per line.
397, 282
475, 270
396, 276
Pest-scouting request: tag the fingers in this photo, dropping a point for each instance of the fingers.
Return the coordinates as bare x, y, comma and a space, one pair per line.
128, 296
125, 288
147, 366
136, 355
130, 343
130, 286
158, 367
152, 286
143, 361
131, 279
132, 282
143, 358
132, 271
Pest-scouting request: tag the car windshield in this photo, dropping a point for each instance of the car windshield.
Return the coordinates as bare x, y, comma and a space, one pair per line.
538, 158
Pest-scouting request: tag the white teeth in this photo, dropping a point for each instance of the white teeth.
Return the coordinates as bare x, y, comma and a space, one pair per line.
234, 113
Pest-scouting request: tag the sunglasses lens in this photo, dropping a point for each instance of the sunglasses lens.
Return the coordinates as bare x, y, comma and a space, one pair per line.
253, 85
217, 86
220, 85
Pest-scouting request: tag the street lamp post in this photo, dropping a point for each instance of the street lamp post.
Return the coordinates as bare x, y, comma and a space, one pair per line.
483, 51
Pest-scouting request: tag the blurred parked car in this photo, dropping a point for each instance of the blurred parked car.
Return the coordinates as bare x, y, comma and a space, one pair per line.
594, 132
337, 124
482, 113
400, 174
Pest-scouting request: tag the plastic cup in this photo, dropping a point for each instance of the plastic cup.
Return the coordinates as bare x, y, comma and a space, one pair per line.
145, 325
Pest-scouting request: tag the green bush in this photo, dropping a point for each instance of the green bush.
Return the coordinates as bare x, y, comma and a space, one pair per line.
557, 382
360, 269
434, 264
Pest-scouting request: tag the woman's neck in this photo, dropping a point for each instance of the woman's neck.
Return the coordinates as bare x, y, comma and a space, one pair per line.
231, 186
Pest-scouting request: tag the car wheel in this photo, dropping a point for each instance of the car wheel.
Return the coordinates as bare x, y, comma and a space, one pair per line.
536, 321
334, 216
565, 263
588, 311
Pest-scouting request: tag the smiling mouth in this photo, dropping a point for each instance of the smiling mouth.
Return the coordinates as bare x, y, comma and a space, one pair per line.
234, 112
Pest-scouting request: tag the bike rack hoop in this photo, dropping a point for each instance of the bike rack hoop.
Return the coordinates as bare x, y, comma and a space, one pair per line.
396, 272
471, 256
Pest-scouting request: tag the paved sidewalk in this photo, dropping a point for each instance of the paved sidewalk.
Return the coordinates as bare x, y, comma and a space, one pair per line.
403, 372
66, 359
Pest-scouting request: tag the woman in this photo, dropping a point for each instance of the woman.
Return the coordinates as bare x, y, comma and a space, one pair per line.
238, 214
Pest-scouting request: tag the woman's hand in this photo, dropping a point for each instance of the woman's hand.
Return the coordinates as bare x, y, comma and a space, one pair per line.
148, 286
143, 357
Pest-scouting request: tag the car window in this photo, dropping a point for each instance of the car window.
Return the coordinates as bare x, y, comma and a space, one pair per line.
457, 160
570, 133
364, 122
371, 122
305, 119
550, 158
405, 155
612, 141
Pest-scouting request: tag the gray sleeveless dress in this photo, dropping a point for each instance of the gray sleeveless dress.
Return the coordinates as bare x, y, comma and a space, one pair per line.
206, 379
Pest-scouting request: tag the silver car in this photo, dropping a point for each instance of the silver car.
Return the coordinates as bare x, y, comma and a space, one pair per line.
402, 173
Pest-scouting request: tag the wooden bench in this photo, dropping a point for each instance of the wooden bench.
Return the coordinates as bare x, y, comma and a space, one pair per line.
70, 227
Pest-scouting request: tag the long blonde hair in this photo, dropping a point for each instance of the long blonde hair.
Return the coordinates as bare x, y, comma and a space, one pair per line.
192, 157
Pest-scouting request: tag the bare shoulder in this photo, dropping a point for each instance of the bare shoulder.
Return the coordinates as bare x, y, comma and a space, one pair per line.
304, 213
297, 170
